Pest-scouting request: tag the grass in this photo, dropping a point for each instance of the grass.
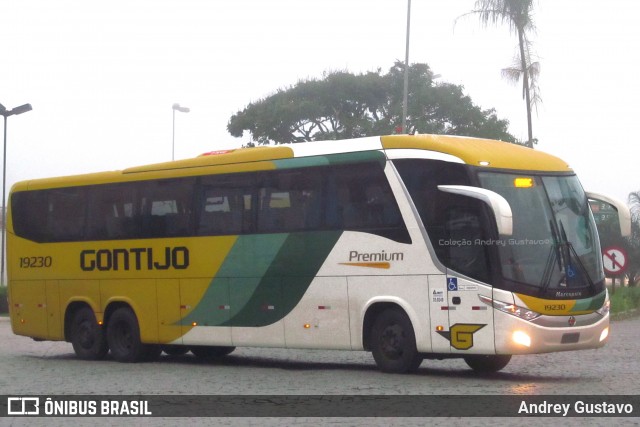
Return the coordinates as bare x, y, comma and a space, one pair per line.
625, 299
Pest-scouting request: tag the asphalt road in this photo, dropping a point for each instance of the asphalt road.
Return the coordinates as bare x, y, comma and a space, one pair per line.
50, 368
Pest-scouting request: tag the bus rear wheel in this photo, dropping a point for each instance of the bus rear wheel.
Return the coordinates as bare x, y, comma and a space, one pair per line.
87, 337
487, 364
123, 336
393, 343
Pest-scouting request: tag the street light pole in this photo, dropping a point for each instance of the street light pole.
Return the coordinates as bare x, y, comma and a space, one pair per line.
7, 113
406, 71
176, 107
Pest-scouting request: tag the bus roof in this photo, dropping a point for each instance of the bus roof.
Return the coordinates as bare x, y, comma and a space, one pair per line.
473, 151
481, 152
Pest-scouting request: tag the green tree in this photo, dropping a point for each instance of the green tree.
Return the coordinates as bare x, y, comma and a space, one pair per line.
343, 105
518, 15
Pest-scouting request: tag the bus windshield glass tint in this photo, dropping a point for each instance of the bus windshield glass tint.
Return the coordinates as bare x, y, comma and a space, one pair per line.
554, 245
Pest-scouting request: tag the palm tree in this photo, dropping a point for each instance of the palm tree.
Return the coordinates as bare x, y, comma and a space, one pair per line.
634, 204
517, 14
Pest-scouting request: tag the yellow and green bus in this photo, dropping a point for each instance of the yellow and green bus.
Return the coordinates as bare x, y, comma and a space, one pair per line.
407, 246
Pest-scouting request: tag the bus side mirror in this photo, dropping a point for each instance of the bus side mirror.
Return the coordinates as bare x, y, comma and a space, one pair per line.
624, 215
497, 203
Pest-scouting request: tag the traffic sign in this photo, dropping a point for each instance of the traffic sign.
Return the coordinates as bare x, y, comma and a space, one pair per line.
614, 260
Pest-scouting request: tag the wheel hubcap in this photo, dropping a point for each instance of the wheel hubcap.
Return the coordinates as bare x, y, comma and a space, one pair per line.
392, 340
85, 335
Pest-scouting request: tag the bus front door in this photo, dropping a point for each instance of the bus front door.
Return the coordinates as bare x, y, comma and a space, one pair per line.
470, 321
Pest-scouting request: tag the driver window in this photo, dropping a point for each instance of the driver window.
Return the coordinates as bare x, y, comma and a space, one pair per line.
454, 223
466, 251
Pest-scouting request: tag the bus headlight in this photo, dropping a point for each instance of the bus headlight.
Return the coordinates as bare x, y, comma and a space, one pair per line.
521, 338
604, 334
514, 310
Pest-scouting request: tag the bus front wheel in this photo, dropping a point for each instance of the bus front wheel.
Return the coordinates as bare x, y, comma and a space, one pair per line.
393, 342
487, 364
123, 336
87, 337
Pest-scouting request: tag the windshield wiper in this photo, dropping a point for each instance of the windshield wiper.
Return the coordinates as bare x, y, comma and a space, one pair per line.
548, 269
570, 250
564, 252
581, 266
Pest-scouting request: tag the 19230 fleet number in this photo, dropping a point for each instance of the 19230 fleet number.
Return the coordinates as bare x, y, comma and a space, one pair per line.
36, 262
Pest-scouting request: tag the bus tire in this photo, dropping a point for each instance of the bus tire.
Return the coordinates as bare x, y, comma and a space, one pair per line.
393, 343
211, 352
87, 337
123, 336
489, 363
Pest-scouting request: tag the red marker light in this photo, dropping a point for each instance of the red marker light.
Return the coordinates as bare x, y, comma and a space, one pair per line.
217, 152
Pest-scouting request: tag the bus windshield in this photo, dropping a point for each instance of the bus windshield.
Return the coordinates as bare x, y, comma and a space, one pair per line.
554, 245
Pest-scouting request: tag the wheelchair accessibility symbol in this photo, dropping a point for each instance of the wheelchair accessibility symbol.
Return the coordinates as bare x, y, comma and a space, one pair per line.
452, 283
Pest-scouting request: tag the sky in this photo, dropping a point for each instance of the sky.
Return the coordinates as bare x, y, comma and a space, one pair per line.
102, 76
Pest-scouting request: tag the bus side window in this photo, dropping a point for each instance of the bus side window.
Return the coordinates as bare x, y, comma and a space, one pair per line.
221, 213
364, 202
465, 252
166, 207
111, 209
225, 205
29, 214
66, 214
453, 223
290, 201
